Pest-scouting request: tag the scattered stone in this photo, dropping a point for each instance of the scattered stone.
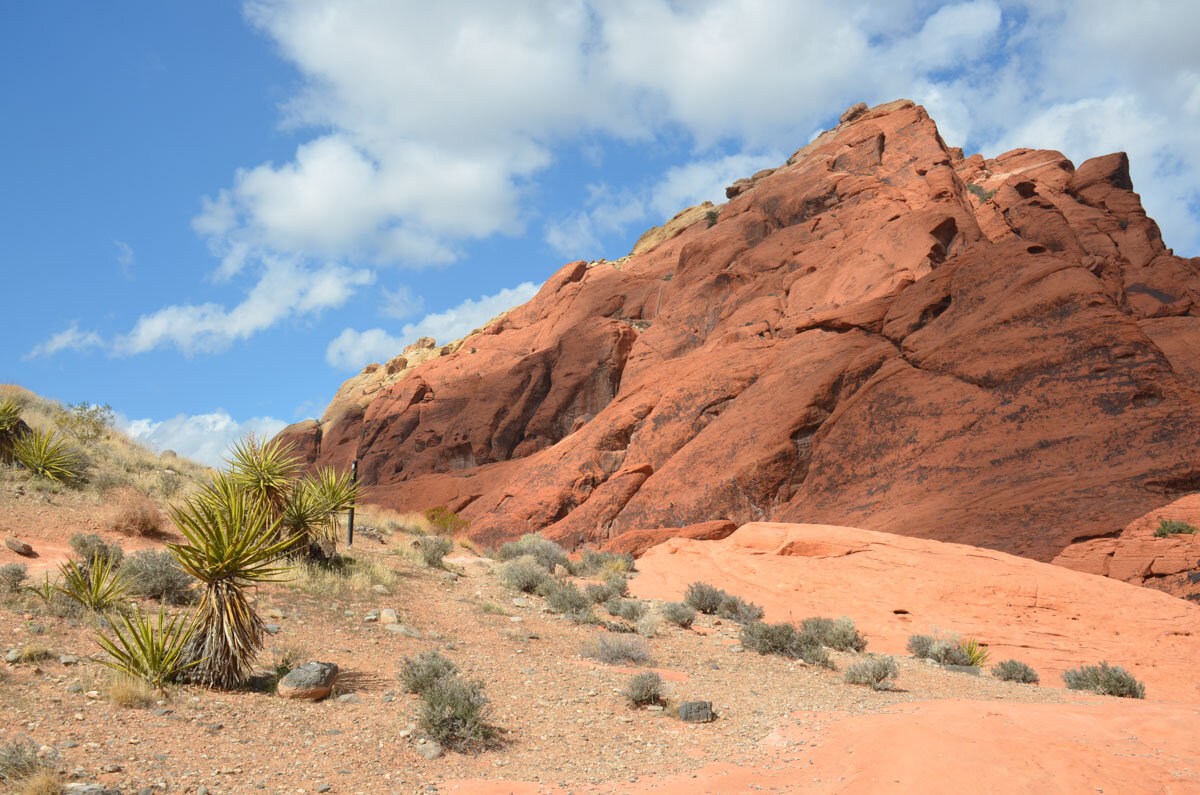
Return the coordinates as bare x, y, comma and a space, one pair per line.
111, 768
449, 576
348, 698
311, 681
429, 749
275, 613
520, 601
382, 590
68, 659
655, 708
402, 629
20, 547
162, 712
737, 648
36, 629
12, 655
388, 616
696, 712
972, 670
324, 788
271, 629
370, 619
69, 744
853, 112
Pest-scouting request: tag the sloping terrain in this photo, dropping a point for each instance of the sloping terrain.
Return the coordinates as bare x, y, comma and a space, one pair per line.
880, 333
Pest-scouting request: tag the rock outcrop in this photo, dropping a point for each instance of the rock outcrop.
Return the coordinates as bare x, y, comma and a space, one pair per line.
879, 333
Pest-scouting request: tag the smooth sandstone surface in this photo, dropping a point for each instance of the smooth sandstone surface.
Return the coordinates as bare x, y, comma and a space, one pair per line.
879, 333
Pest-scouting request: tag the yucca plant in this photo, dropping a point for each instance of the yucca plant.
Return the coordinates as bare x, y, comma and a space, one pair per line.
148, 651
10, 426
232, 543
44, 454
265, 470
311, 511
977, 653
97, 585
47, 590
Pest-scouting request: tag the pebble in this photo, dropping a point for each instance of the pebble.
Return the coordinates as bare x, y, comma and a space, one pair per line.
68, 659
429, 749
271, 629
12, 655
111, 768
402, 629
75, 688
324, 788
348, 698
388, 616
382, 590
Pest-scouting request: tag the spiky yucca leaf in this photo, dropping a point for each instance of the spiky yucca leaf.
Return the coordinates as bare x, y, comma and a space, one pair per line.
97, 585
304, 517
266, 470
43, 454
319, 500
47, 590
977, 653
232, 544
10, 418
143, 650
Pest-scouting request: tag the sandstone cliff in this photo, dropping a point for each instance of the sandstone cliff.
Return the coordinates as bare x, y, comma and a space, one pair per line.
879, 333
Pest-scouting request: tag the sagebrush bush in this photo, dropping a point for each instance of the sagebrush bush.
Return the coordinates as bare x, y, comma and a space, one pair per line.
433, 549
704, 597
649, 625
523, 573
839, 634
454, 712
19, 762
785, 640
920, 646
547, 553
157, 575
948, 652
571, 602
644, 689
1104, 679
877, 672
598, 593
594, 562
1015, 671
737, 609
628, 609
421, 672
12, 577
679, 614
90, 546
132, 513
617, 650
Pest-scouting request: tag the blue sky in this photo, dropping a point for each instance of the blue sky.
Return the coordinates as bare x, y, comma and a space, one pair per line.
213, 213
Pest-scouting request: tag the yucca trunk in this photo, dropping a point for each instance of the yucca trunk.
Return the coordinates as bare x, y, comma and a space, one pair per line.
228, 639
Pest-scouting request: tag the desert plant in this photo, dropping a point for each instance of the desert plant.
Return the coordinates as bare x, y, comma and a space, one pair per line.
152, 652
91, 547
311, 511
265, 470
98, 586
737, 609
920, 646
598, 562
133, 513
20, 763
231, 545
10, 426
571, 602
784, 640
947, 652
617, 650
1105, 679
839, 634
628, 609
12, 577
679, 614
421, 672
433, 549
644, 689
976, 653
648, 626
454, 712
598, 593
87, 422
1173, 527
34, 653
878, 672
128, 692
523, 573
711, 216
1015, 671
157, 575
47, 590
704, 597
548, 554
445, 521
43, 454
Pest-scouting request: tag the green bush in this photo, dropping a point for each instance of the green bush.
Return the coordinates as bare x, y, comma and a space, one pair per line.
571, 602
12, 577
784, 640
948, 653
920, 646
839, 634
704, 597
618, 650
523, 573
433, 549
89, 547
157, 575
153, 653
1015, 671
547, 553
679, 614
877, 672
644, 689
445, 521
1171, 527
593, 562
1106, 680
86, 422
99, 587
454, 712
737, 609
628, 609
420, 673
712, 216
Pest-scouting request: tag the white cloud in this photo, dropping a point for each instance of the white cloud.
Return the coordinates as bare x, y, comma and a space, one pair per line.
201, 437
284, 288
125, 258
69, 339
353, 349
401, 302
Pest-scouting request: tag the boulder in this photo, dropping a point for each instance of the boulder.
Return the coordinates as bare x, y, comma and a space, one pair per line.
696, 712
20, 547
312, 681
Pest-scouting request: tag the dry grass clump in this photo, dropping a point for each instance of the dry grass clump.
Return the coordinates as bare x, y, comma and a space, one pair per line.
341, 575
44, 782
598, 563
132, 513
679, 614
420, 673
34, 653
129, 692
393, 521
617, 650
24, 772
878, 673
644, 689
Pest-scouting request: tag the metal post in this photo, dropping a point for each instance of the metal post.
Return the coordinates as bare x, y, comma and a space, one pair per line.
350, 524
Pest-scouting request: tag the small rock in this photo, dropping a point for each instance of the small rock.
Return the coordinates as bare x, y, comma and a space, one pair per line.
69, 744
429, 749
92, 694
311, 681
75, 688
12, 655
324, 788
736, 649
68, 659
520, 601
275, 613
696, 712
404, 733
36, 629
348, 612
271, 629
655, 708
20, 547
382, 590
451, 646
370, 619
162, 711
449, 576
348, 698
111, 768
402, 629
388, 616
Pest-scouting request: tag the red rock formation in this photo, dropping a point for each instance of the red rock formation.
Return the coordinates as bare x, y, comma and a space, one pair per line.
878, 333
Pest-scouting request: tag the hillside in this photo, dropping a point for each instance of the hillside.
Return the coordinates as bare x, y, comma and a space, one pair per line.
879, 333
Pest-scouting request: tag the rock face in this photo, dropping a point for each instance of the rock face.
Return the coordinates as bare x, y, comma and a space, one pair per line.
312, 681
879, 333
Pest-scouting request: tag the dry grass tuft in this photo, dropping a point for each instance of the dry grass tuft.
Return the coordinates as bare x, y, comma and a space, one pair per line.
349, 574
393, 521
132, 513
44, 782
125, 691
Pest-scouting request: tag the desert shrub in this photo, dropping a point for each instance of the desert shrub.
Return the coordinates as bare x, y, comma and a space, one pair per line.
34, 653
454, 712
948, 652
547, 553
421, 672
704, 597
20, 763
1172, 527
151, 652
88, 423
11, 426
976, 652
1106, 680
711, 216
628, 609
98, 586
571, 602
126, 691
643, 689
445, 521
598, 593
737, 609
12, 577
649, 625
920, 646
679, 614
523, 573
157, 575
597, 562
784, 640
617, 650
839, 634
133, 513
47, 456
1015, 671
877, 672
433, 549
617, 583
90, 547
